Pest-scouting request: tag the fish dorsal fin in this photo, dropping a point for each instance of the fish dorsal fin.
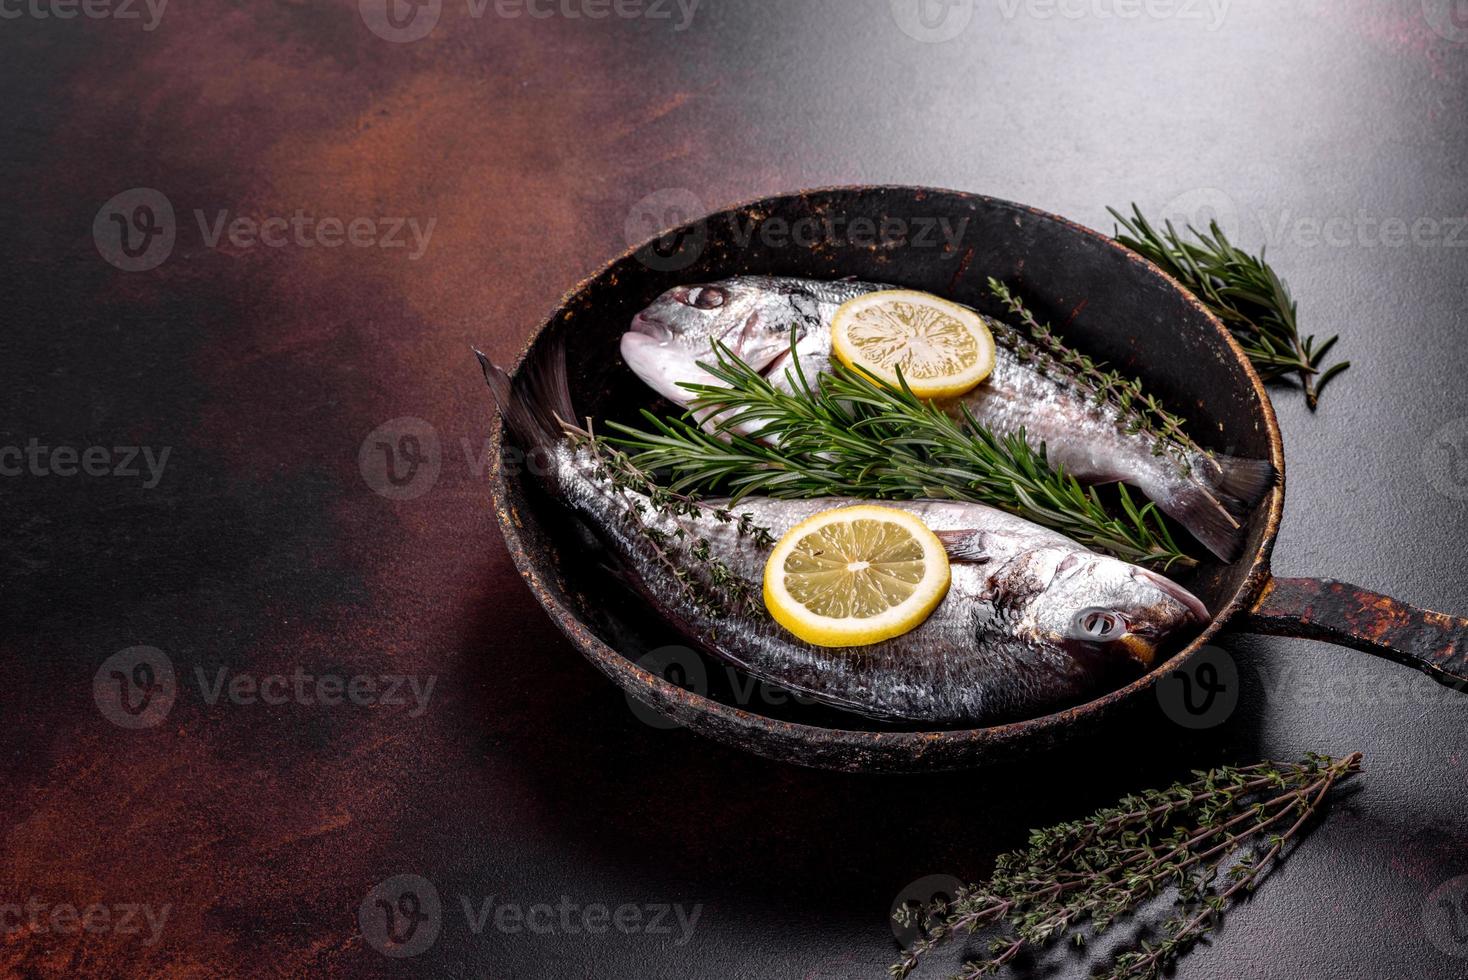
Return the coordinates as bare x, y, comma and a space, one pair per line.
965, 545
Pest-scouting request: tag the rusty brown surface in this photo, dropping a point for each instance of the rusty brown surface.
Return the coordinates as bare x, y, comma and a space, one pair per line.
1323, 609
263, 827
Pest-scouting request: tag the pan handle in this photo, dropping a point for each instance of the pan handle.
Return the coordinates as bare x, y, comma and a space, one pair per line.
1322, 609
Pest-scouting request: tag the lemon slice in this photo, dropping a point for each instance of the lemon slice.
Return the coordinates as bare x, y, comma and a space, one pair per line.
855, 575
943, 349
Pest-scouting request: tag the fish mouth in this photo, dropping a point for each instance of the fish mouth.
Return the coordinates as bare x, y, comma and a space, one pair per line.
661, 366
780, 359
648, 327
1192, 603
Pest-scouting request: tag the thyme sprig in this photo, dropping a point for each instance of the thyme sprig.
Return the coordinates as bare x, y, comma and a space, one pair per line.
1078, 878
1140, 411
853, 436
1243, 291
729, 592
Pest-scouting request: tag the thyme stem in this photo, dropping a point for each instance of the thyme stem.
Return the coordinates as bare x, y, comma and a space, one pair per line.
1140, 411
627, 477
1102, 868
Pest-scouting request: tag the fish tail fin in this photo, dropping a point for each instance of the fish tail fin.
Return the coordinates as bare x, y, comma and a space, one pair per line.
1206, 518
536, 403
1214, 502
1240, 482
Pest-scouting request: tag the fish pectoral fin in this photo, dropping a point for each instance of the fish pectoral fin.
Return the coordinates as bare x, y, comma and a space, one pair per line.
965, 545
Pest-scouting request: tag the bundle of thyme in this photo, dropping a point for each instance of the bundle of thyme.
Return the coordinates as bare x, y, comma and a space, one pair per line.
730, 593
853, 436
1140, 412
1078, 878
1243, 291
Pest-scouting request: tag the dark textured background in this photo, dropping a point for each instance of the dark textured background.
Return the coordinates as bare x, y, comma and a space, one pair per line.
531, 143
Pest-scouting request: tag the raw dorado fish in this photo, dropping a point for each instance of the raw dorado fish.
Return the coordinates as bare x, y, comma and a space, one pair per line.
753, 316
1032, 620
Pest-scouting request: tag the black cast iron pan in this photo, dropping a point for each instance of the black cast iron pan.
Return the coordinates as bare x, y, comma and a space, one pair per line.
1112, 304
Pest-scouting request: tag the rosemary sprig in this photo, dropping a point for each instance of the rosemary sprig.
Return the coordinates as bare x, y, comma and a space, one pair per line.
1140, 411
1076, 879
853, 436
729, 592
1243, 291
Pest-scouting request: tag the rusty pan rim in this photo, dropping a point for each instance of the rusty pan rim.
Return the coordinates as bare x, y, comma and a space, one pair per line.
652, 688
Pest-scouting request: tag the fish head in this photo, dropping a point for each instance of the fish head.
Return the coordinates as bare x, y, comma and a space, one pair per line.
669, 339
1096, 603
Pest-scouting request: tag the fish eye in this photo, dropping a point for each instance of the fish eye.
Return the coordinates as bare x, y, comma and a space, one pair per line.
1099, 625
705, 297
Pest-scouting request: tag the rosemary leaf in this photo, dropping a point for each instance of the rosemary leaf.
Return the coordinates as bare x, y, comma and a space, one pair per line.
850, 435
1243, 291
